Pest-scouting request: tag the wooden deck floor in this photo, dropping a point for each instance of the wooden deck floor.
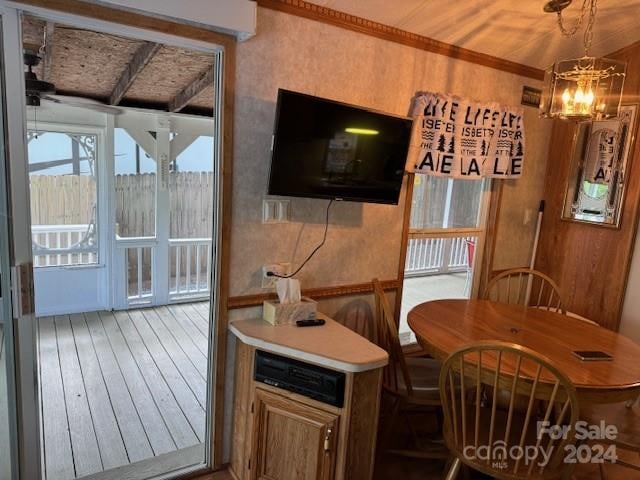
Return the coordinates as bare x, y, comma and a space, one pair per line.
121, 387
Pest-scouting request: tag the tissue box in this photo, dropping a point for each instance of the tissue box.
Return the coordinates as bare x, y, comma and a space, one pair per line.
277, 313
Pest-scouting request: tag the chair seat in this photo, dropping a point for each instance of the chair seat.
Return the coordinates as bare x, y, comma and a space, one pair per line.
425, 378
625, 419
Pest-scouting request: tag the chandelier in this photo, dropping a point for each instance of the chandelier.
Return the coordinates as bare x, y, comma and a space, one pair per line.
582, 88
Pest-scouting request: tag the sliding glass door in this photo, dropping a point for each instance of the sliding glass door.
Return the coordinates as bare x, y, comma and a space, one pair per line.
113, 222
8, 411
18, 388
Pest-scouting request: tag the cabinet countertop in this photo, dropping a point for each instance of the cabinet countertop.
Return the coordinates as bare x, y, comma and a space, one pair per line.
331, 345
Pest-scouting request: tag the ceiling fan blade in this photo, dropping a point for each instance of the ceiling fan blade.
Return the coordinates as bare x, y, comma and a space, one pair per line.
81, 102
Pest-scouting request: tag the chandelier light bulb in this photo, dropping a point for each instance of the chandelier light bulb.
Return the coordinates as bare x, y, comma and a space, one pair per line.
589, 97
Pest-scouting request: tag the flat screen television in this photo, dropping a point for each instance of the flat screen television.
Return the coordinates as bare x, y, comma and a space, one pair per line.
327, 149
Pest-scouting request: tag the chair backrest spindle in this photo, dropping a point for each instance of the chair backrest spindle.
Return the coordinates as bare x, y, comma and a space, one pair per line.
533, 288
488, 442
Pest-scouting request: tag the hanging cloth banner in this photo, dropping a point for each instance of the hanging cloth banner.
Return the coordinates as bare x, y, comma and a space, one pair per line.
458, 138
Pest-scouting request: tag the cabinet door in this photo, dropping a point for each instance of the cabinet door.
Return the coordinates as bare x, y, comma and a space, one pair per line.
292, 441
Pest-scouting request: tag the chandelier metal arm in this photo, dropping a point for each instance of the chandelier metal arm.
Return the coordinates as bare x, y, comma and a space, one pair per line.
569, 32
588, 32
592, 7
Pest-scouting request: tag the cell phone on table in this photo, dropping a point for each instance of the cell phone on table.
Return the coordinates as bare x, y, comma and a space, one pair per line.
592, 355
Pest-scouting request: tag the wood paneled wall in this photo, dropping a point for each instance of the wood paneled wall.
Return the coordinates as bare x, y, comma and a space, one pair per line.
590, 263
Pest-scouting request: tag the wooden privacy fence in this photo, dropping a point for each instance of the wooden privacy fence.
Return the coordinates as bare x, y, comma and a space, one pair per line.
69, 200
190, 208
62, 199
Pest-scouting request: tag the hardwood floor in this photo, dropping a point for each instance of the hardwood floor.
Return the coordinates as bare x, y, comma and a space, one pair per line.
220, 475
119, 388
396, 467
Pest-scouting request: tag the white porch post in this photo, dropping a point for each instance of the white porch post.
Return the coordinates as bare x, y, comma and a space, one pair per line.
160, 267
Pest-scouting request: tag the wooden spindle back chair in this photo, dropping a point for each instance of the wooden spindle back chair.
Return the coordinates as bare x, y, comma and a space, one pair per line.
411, 385
525, 286
396, 373
469, 423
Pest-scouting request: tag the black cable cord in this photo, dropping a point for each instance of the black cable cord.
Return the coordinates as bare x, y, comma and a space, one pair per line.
315, 250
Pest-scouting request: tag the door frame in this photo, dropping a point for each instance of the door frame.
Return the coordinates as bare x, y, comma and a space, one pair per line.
138, 25
6, 294
19, 218
480, 231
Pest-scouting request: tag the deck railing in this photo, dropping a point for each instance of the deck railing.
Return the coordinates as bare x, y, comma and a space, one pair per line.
189, 260
191, 267
136, 259
62, 245
433, 255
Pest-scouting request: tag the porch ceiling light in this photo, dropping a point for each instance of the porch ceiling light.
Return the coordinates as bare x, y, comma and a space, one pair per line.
582, 88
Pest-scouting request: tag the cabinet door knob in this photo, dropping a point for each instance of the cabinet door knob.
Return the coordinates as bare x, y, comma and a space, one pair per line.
327, 439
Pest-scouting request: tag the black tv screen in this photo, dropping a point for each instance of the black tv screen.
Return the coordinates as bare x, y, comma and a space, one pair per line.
326, 149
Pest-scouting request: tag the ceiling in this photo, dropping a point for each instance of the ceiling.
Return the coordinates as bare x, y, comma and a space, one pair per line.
516, 30
91, 64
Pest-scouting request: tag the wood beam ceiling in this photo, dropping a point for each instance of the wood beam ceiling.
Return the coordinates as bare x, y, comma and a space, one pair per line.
187, 94
140, 59
120, 71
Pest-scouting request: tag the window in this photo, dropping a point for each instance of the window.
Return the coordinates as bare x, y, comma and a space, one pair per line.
445, 203
63, 186
445, 229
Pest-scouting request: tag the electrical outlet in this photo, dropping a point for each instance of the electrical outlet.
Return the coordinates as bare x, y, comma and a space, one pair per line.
279, 268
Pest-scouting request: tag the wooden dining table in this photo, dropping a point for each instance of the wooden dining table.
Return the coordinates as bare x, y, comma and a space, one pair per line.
443, 326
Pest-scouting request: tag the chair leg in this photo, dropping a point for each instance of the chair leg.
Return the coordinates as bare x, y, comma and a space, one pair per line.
412, 431
440, 420
452, 474
388, 428
601, 468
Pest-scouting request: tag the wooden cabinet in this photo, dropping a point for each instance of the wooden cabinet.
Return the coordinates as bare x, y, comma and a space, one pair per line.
292, 440
280, 435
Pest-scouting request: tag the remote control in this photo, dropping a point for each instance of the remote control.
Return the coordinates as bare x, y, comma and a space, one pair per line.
310, 323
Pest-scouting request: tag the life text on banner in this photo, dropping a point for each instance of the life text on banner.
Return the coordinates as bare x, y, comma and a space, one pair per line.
459, 138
